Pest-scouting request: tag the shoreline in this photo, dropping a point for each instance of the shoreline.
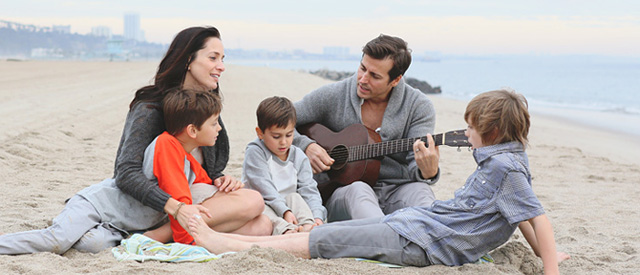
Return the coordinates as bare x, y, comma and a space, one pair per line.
614, 122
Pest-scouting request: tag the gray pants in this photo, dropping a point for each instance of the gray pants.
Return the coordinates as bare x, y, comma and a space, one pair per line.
365, 238
298, 207
78, 225
359, 201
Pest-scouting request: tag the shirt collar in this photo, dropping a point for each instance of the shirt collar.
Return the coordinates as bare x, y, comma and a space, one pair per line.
483, 153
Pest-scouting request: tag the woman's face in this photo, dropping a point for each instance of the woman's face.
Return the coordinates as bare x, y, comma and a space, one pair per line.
205, 69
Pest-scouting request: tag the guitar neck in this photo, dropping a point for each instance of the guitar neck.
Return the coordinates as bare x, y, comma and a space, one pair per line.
375, 150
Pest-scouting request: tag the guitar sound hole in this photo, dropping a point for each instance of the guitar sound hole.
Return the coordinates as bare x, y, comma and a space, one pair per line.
340, 155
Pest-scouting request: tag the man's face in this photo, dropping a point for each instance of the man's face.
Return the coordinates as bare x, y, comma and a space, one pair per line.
373, 78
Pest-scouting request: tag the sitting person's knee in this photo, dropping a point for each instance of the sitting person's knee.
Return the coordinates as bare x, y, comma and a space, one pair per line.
98, 239
252, 201
359, 188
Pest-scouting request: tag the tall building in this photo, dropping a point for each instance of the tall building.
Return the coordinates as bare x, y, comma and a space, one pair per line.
101, 31
132, 27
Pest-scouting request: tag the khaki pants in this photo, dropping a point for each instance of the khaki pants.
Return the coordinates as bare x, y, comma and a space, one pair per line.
79, 225
299, 208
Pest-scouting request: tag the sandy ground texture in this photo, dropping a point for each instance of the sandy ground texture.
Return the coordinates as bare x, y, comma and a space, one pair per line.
60, 123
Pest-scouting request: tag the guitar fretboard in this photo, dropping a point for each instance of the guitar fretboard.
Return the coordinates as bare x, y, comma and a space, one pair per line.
375, 150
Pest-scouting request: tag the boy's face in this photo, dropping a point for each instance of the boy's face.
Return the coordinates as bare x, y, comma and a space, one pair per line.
208, 133
474, 138
278, 139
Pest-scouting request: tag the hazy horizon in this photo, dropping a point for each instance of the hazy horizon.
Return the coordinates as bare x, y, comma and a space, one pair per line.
457, 27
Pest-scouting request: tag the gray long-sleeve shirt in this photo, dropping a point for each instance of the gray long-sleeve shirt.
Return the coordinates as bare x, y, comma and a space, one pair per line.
409, 114
256, 174
144, 123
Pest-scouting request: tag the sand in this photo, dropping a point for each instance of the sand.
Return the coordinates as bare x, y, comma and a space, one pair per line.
60, 123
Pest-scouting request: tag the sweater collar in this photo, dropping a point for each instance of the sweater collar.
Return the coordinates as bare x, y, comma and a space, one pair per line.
395, 98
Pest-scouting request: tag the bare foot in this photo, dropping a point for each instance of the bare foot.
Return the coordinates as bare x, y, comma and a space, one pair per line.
562, 256
306, 227
291, 231
205, 236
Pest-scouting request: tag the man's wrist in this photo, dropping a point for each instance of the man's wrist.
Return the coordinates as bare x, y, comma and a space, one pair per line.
431, 180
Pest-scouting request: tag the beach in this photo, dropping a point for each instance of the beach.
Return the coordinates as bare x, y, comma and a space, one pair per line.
61, 121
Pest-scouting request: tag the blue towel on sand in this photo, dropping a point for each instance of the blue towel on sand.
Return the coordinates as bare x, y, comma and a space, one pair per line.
141, 248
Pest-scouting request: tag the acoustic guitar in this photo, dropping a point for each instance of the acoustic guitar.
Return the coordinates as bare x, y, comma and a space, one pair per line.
358, 150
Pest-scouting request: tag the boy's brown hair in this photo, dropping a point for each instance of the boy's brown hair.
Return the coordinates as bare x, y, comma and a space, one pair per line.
499, 116
182, 107
275, 111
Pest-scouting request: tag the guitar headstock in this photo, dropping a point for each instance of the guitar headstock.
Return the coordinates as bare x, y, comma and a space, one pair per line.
456, 138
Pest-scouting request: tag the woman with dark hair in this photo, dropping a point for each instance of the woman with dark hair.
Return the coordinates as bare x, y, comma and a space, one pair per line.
194, 60
100, 215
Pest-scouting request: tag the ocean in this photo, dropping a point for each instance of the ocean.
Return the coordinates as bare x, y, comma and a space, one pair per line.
591, 90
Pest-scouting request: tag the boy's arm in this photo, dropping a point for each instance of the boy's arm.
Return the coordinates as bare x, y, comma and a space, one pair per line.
168, 167
529, 235
258, 177
308, 187
539, 234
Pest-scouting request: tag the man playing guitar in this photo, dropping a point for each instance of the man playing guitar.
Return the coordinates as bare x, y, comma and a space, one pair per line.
378, 98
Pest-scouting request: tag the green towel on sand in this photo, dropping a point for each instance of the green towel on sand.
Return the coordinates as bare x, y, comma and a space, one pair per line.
141, 248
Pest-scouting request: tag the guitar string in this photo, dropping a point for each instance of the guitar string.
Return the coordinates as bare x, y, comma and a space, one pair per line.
359, 152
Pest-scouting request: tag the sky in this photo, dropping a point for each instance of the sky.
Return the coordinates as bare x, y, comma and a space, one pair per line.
457, 27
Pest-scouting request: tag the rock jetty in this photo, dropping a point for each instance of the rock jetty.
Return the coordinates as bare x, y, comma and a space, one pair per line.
421, 85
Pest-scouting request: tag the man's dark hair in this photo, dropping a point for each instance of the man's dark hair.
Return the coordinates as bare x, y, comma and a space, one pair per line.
385, 46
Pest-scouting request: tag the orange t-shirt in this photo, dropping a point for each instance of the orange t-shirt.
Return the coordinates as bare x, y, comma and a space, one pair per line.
169, 166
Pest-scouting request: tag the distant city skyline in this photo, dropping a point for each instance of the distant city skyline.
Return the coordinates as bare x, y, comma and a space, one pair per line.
459, 27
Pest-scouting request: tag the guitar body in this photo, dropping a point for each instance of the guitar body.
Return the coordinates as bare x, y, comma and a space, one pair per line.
357, 151
343, 172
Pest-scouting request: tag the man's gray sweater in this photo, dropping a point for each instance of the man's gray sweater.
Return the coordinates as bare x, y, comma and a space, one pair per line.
409, 114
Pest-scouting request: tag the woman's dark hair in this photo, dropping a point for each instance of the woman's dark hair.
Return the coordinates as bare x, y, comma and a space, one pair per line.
173, 67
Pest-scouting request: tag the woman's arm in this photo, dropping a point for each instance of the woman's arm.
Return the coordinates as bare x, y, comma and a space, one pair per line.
144, 122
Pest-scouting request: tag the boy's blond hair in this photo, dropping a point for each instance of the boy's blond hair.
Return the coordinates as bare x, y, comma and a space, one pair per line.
499, 116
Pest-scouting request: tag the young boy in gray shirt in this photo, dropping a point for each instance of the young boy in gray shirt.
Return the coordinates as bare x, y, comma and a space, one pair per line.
281, 172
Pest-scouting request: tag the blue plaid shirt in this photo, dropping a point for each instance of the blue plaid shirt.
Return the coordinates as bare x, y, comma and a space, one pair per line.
483, 213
